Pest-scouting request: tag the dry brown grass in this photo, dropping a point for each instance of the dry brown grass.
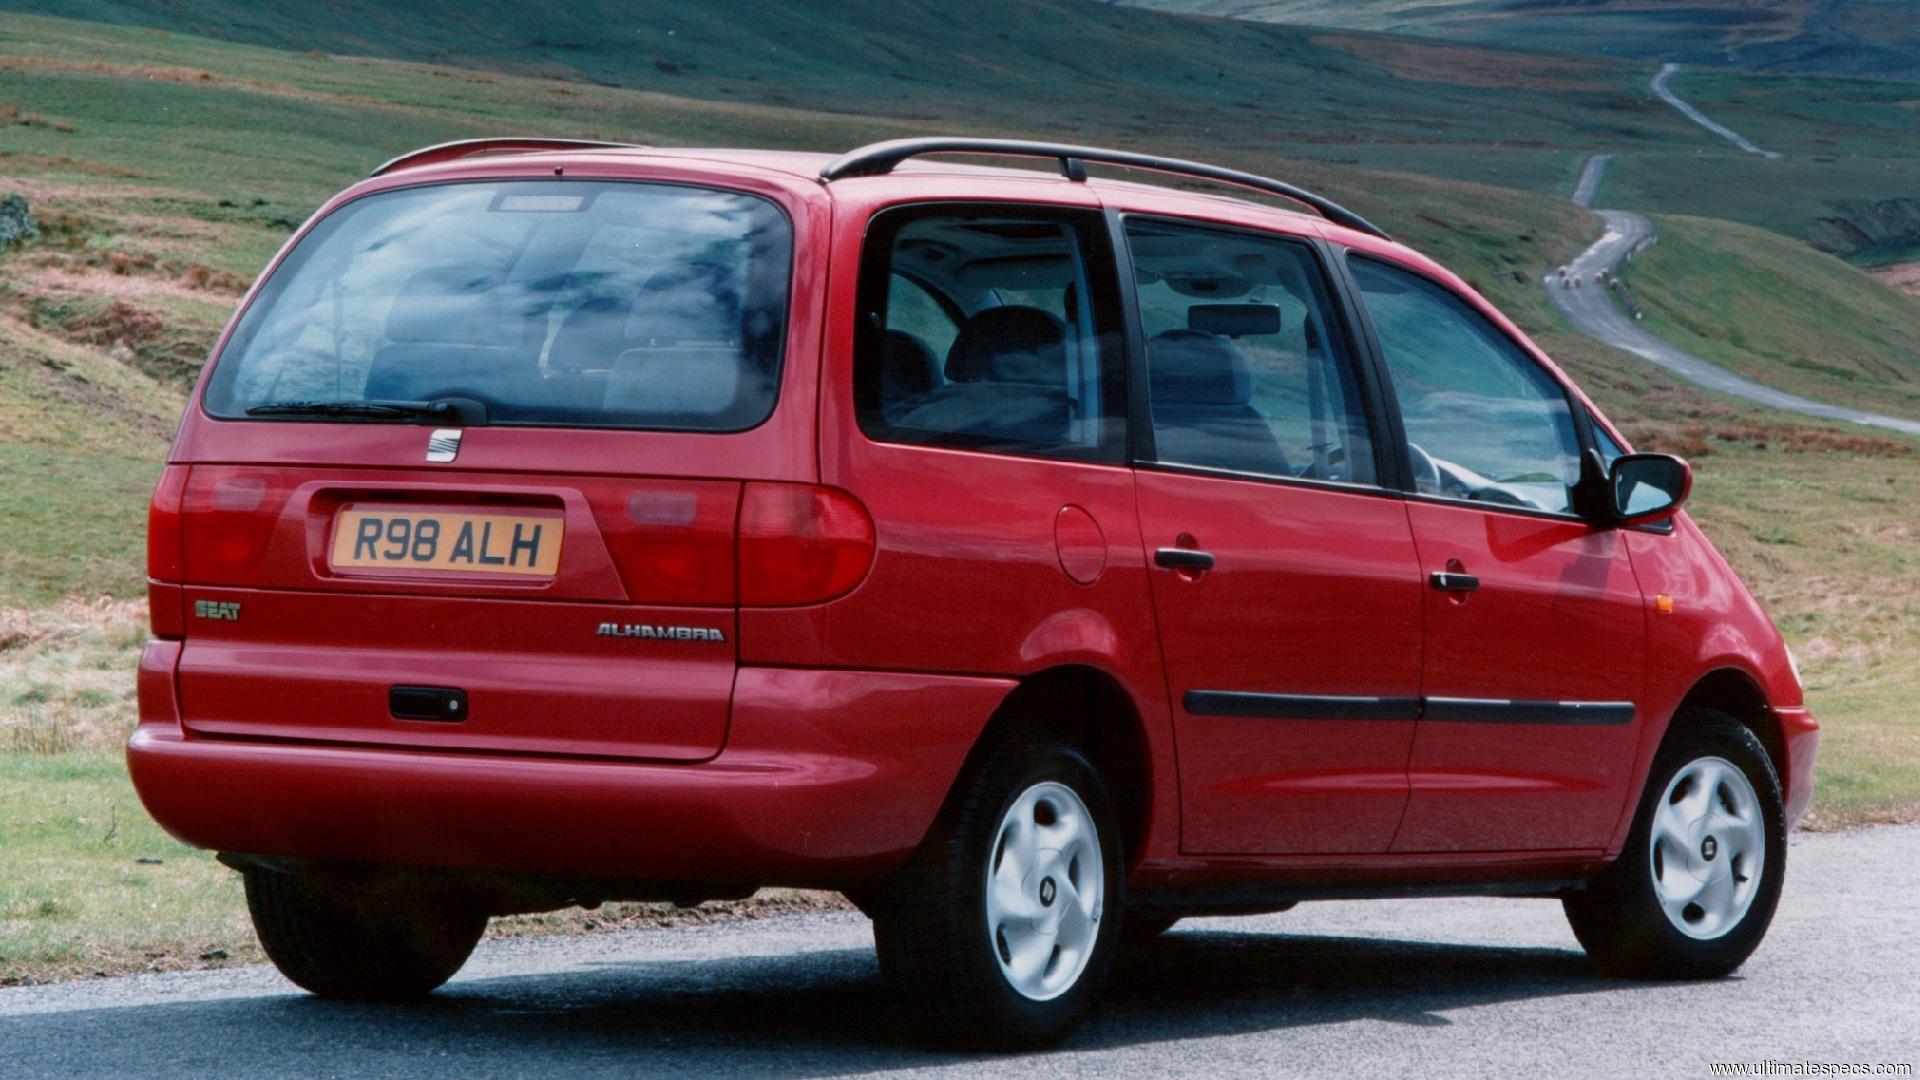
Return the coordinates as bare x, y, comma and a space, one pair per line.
1697, 438
1905, 276
66, 675
1464, 65
186, 76
11, 115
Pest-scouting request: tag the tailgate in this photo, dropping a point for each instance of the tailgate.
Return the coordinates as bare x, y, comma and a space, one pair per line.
583, 615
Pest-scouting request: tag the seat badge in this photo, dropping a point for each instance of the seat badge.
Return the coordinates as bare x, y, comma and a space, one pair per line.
443, 445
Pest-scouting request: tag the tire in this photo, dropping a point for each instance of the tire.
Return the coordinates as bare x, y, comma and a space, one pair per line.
342, 938
1017, 966
1695, 887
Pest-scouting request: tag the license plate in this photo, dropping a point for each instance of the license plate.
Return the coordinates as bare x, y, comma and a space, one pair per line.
381, 538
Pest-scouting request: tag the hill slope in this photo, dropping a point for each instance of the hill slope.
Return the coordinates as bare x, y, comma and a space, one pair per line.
1876, 38
1010, 65
1767, 307
1471, 101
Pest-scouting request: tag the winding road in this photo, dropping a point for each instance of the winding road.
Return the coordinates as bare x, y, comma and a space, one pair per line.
1590, 307
1415, 988
1660, 90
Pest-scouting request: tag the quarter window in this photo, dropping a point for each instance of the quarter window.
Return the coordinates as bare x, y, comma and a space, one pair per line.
989, 328
1484, 422
1245, 367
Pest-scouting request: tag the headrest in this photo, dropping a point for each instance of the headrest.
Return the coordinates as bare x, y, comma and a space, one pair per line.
1010, 344
907, 367
447, 305
1192, 367
591, 336
694, 303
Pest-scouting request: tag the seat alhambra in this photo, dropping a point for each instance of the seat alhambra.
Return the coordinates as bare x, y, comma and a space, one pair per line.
1034, 559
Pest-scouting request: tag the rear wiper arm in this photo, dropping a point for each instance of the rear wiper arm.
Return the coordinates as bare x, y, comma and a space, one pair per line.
444, 409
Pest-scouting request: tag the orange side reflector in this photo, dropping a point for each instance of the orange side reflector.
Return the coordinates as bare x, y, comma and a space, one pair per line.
1663, 604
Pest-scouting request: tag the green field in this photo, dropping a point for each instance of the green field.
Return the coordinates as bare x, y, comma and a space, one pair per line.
165, 169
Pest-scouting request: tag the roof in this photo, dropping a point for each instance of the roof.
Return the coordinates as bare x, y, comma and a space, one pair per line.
905, 156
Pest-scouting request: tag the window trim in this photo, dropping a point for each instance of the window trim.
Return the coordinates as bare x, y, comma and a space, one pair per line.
1576, 410
1142, 452
875, 271
258, 293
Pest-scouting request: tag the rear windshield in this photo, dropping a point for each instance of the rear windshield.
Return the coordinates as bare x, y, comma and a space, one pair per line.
556, 302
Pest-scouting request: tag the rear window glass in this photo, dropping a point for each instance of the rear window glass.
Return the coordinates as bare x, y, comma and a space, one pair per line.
570, 303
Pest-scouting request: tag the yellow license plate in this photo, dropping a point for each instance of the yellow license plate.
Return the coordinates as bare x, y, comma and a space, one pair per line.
393, 538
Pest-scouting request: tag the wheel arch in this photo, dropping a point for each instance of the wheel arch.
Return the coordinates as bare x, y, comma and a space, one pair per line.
1738, 694
1091, 709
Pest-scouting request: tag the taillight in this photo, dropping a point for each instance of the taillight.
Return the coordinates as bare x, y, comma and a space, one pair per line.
231, 514
163, 524
671, 539
801, 544
164, 599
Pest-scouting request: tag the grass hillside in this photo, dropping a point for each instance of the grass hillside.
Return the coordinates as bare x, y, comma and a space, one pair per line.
1850, 180
1243, 90
1472, 101
1859, 37
165, 169
1789, 301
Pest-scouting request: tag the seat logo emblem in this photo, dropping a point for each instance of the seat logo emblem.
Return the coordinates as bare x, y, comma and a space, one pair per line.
443, 445
216, 609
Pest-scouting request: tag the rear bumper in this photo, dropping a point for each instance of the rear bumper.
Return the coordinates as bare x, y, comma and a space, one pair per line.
1800, 740
828, 778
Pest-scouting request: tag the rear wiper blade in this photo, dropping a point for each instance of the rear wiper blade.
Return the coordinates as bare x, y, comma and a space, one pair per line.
395, 410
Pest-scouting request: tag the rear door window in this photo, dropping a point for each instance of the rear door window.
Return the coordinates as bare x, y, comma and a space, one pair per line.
990, 328
567, 303
1246, 367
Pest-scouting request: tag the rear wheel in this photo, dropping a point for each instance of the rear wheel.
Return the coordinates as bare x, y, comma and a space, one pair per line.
371, 941
1001, 929
1696, 885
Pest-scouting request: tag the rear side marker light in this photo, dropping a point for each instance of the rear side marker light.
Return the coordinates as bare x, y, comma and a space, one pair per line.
801, 544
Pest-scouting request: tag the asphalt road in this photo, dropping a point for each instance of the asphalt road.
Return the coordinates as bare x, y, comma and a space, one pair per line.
1594, 313
1432, 988
1661, 90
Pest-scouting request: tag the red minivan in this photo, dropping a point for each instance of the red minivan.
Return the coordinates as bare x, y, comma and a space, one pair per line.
1035, 559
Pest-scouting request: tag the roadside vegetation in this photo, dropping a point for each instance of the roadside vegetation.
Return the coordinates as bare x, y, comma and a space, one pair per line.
164, 170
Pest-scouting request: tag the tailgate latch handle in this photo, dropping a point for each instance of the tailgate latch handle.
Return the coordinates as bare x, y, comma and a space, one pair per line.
441, 703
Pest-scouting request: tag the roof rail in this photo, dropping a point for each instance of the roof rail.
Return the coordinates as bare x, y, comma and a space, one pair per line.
453, 151
880, 158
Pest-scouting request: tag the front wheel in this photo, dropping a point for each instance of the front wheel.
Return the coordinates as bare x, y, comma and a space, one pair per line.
342, 937
1695, 886
1002, 927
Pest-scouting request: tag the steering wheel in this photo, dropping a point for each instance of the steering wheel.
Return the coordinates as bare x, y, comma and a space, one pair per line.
1500, 496
1426, 471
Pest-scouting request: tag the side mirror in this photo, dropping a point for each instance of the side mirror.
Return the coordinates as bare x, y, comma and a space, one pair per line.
1648, 487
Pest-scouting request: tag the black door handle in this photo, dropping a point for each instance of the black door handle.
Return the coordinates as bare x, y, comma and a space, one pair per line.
1447, 581
1183, 559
